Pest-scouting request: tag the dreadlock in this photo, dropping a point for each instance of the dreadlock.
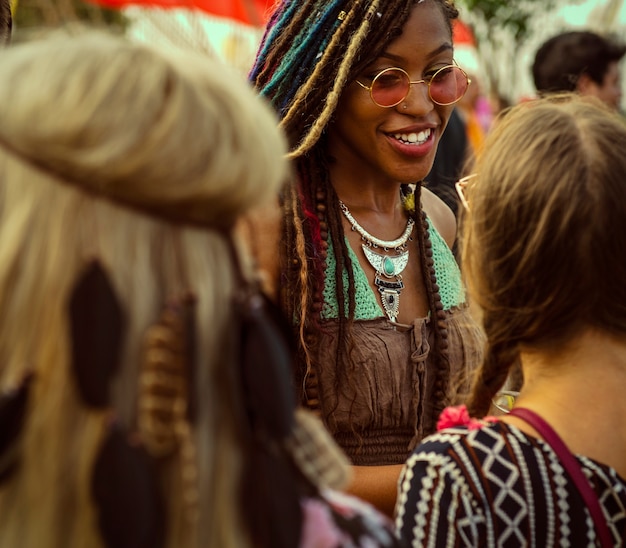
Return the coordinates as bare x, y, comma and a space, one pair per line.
310, 51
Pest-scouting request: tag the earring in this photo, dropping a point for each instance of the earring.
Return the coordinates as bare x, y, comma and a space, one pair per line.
405, 106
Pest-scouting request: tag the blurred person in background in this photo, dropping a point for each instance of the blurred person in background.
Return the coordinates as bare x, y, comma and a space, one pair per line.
580, 61
450, 161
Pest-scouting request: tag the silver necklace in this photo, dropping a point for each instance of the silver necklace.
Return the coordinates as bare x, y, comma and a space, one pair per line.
398, 243
388, 278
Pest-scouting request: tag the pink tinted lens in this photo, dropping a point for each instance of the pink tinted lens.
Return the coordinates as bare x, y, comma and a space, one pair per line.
448, 85
390, 87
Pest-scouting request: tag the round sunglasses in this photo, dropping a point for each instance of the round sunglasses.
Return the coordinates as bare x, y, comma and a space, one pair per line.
505, 400
391, 86
461, 189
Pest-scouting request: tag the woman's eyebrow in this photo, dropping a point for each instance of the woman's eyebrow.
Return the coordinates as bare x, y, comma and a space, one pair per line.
447, 46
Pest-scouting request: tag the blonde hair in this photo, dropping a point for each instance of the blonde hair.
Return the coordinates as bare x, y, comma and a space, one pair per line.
112, 151
545, 236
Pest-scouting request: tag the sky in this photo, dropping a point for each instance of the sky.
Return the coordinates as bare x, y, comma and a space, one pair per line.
580, 15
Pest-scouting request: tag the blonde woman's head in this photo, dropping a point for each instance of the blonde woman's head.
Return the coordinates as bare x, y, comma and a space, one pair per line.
177, 135
142, 162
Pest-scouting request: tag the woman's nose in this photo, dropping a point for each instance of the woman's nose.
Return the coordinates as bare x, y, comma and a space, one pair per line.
418, 101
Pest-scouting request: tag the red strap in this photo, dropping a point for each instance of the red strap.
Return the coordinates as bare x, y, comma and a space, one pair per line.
572, 467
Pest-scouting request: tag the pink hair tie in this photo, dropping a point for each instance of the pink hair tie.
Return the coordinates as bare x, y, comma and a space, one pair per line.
457, 415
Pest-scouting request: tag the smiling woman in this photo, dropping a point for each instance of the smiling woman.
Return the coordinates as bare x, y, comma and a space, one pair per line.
364, 89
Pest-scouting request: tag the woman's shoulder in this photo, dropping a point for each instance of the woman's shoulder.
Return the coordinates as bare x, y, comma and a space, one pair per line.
440, 215
458, 433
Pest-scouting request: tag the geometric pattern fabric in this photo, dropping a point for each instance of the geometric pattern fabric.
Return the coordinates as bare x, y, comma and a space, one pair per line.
497, 486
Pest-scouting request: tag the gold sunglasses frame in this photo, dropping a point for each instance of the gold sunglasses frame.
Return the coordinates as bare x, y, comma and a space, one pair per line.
509, 395
423, 81
461, 187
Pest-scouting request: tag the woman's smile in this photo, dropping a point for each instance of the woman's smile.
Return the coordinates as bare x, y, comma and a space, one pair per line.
413, 143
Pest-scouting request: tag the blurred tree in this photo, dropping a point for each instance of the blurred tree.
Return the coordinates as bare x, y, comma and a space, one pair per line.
33, 15
516, 15
502, 29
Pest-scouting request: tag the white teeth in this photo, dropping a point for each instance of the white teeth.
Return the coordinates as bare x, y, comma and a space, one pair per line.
414, 138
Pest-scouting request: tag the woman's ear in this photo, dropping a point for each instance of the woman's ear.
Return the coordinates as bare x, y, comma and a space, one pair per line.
585, 85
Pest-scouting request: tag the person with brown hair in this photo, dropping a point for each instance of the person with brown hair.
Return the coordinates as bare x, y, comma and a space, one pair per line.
580, 61
543, 242
364, 90
144, 393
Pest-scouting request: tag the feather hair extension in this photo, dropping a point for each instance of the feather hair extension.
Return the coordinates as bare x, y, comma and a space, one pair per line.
13, 405
96, 326
124, 487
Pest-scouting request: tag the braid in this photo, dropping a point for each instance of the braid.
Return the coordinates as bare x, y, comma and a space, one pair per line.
439, 351
279, 19
299, 27
295, 303
501, 355
343, 265
490, 377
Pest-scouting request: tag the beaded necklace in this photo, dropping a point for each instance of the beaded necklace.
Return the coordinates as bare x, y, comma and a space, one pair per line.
388, 277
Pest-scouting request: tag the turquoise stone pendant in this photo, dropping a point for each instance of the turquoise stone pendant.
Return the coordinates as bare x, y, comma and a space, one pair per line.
390, 267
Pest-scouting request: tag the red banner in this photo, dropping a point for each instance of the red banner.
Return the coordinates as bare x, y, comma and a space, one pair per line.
462, 34
250, 12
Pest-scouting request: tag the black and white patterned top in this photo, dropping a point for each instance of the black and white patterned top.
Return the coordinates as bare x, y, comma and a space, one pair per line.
496, 486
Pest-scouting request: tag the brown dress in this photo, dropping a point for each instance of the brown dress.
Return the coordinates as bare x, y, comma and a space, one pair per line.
380, 404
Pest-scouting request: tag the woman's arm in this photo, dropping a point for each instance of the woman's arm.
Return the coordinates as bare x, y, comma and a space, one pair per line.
377, 485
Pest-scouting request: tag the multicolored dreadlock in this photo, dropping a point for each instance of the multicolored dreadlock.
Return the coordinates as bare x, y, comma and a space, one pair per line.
310, 51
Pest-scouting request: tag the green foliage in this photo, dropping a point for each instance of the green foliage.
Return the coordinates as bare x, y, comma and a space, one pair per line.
37, 14
514, 15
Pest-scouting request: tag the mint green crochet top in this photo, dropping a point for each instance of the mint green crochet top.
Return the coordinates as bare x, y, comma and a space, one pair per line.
367, 307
